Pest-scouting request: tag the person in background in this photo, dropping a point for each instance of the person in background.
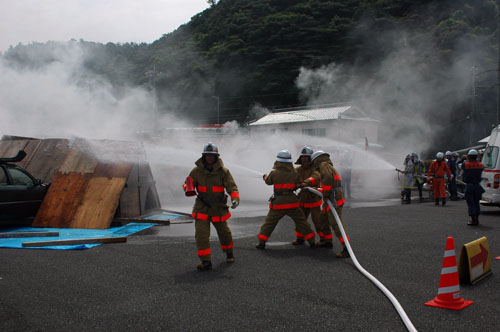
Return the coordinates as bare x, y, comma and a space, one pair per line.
473, 170
419, 174
452, 183
437, 170
346, 171
408, 179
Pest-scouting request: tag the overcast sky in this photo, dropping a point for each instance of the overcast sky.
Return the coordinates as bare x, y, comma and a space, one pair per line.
118, 21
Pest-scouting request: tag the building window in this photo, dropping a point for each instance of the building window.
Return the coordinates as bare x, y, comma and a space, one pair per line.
320, 132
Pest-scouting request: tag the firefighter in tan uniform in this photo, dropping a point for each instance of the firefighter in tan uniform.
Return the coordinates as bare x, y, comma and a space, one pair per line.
211, 179
284, 178
309, 202
332, 189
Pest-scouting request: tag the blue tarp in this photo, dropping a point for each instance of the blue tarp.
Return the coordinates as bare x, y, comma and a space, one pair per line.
70, 234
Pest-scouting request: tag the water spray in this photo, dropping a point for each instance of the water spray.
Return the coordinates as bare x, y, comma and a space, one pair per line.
370, 277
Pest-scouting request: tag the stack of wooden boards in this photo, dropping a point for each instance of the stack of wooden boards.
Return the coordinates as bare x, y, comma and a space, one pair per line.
92, 181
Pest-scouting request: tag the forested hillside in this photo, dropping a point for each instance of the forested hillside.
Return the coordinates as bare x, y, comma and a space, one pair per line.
390, 54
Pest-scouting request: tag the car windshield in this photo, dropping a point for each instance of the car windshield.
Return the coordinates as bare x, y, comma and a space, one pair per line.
20, 178
3, 177
490, 157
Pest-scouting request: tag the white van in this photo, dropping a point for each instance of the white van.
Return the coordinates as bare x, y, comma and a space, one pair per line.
491, 173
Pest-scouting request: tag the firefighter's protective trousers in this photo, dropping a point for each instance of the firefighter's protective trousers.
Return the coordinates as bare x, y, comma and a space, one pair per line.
274, 216
202, 234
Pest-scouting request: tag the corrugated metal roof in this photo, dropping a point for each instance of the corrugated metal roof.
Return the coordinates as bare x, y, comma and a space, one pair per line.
326, 113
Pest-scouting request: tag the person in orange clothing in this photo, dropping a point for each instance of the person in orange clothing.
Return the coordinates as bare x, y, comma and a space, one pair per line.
437, 170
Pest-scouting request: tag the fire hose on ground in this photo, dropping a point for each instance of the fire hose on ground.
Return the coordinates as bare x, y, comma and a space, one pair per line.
377, 283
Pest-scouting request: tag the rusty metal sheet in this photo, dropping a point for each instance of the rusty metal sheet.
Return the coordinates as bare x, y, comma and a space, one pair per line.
99, 203
62, 199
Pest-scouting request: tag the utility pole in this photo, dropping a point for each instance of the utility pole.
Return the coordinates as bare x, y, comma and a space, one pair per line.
473, 106
498, 68
218, 107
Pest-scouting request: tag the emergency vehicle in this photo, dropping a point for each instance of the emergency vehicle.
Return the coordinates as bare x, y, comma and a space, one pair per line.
491, 172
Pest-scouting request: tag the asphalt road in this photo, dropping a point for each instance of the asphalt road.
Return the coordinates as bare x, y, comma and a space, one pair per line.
150, 283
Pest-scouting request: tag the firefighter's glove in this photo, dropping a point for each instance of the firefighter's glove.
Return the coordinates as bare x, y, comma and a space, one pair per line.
234, 203
264, 177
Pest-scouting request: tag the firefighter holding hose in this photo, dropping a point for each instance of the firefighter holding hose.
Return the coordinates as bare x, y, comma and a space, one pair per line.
284, 179
309, 202
331, 186
211, 179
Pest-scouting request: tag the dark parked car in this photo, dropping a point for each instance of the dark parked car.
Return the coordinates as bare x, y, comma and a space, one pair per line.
20, 193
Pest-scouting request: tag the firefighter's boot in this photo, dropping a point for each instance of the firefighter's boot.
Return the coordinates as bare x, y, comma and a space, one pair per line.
444, 201
437, 201
261, 245
229, 257
312, 244
420, 199
343, 254
299, 241
204, 266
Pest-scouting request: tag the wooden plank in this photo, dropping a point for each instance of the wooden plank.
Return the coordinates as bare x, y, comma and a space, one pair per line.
62, 199
30, 149
28, 234
48, 158
9, 148
78, 161
76, 241
99, 203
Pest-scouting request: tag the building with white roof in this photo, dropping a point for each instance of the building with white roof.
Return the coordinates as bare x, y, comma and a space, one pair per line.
345, 123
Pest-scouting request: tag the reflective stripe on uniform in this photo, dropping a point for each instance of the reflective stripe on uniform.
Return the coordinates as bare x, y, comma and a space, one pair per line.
311, 205
204, 252
342, 240
202, 216
263, 237
229, 246
284, 206
326, 187
218, 189
221, 219
309, 236
336, 177
329, 236
340, 202
235, 195
202, 189
320, 234
311, 179
285, 186
297, 234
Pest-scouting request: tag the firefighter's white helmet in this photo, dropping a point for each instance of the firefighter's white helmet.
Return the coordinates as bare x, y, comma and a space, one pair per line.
284, 156
472, 152
317, 154
439, 155
307, 152
210, 148
448, 153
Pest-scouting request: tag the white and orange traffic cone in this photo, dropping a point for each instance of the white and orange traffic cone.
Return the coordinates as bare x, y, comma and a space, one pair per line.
449, 288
